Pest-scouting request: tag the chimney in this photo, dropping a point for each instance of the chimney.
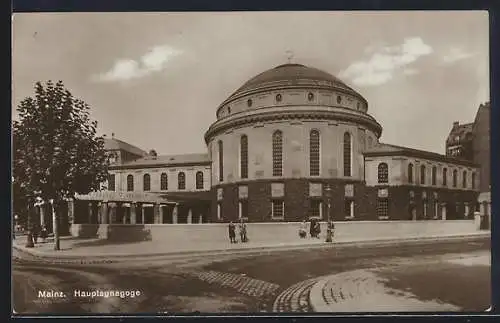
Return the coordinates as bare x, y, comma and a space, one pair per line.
456, 124
112, 135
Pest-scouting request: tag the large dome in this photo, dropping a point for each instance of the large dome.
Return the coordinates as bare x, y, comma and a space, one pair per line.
291, 75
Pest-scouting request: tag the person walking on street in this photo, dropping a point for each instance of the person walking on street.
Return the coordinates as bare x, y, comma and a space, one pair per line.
232, 232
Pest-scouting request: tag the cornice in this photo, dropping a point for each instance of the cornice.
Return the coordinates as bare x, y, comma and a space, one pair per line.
223, 125
423, 155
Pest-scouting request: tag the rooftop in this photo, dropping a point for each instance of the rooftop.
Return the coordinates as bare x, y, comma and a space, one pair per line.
392, 150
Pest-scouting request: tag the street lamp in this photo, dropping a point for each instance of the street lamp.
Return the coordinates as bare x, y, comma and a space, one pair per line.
329, 232
16, 218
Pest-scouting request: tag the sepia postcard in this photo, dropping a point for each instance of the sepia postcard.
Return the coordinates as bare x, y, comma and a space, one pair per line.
251, 162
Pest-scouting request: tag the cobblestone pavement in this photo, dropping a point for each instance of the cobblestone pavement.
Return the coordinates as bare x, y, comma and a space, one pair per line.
295, 298
243, 284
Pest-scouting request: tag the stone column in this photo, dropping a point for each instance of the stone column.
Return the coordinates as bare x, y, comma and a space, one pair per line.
200, 218
42, 215
90, 212
443, 211
156, 213
174, 214
71, 211
190, 216
112, 213
143, 213
104, 213
161, 214
133, 214
124, 212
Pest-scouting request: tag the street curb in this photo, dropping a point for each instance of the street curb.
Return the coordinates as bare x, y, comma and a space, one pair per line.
243, 251
316, 299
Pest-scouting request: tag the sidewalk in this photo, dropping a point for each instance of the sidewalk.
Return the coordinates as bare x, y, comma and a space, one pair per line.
73, 248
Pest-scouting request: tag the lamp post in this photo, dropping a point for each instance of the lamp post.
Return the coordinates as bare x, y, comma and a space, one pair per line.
16, 218
329, 234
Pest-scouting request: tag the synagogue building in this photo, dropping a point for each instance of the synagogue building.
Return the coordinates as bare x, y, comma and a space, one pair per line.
294, 143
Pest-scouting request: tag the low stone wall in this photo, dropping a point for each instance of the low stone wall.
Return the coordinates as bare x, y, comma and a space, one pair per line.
271, 232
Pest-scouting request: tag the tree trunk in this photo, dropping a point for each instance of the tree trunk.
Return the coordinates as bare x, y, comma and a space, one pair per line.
29, 237
55, 226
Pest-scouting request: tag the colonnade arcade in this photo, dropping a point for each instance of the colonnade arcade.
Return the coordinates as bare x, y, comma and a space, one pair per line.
129, 208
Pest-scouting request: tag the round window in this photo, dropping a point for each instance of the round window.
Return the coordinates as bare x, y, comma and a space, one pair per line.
249, 102
339, 99
278, 97
310, 96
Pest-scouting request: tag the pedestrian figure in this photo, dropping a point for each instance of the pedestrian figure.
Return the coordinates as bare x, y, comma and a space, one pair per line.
243, 231
35, 234
302, 230
312, 223
232, 232
44, 234
317, 229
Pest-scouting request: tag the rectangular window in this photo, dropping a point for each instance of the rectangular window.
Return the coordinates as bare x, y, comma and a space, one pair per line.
111, 182
219, 211
383, 209
315, 210
243, 209
278, 209
349, 209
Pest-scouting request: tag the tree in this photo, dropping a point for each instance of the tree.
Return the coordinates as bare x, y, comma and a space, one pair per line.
56, 150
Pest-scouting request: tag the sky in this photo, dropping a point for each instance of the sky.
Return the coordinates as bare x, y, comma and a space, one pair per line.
155, 80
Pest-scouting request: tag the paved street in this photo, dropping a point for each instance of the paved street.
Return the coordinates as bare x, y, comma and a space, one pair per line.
419, 277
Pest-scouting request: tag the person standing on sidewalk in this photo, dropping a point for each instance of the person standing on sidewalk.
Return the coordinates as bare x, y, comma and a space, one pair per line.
232, 232
243, 231
303, 229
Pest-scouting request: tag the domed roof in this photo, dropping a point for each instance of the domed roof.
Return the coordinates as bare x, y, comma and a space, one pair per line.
290, 75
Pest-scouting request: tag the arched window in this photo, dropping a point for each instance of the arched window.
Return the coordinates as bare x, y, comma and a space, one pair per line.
445, 176
422, 174
130, 183
314, 153
410, 173
383, 173
277, 153
146, 183
163, 182
347, 154
455, 175
434, 175
473, 180
221, 161
464, 179
244, 156
181, 181
199, 180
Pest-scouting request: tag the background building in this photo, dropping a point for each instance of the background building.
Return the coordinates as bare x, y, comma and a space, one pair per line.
295, 142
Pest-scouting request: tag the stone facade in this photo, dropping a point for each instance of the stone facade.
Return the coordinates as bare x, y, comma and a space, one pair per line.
297, 201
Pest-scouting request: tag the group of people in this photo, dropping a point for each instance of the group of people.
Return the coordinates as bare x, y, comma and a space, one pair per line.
314, 228
242, 228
